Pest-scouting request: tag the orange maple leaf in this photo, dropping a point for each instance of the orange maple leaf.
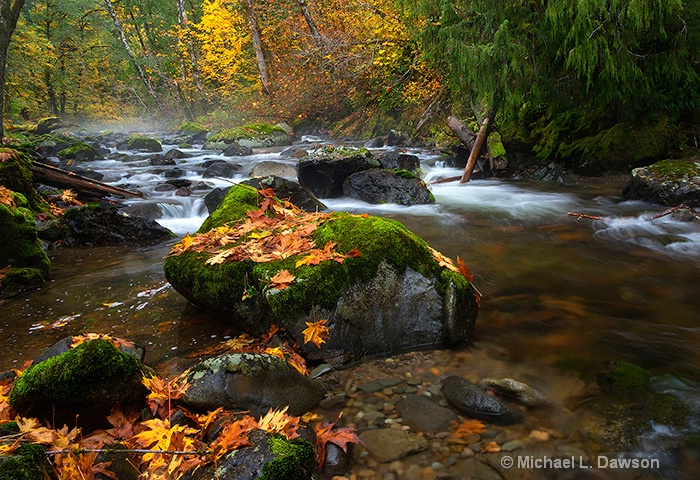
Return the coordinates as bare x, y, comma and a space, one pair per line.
469, 427
282, 280
442, 260
341, 436
87, 337
463, 269
316, 332
277, 421
163, 392
232, 436
6, 197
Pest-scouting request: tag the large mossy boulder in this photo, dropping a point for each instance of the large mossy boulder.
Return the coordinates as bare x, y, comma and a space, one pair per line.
668, 182
395, 296
325, 170
23, 261
143, 144
81, 152
81, 385
252, 135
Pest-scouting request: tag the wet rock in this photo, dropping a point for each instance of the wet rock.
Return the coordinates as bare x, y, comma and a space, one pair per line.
337, 461
252, 136
668, 182
269, 168
379, 186
142, 144
324, 171
286, 189
294, 152
175, 154
179, 183
519, 391
379, 385
48, 125
376, 142
396, 139
235, 149
85, 172
255, 382
471, 400
160, 160
81, 385
213, 199
80, 152
394, 160
387, 445
267, 456
222, 169
423, 415
105, 225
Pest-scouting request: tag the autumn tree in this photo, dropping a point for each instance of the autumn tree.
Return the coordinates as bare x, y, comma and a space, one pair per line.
9, 14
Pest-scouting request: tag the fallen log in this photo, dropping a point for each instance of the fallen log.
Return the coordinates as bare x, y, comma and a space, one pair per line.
59, 178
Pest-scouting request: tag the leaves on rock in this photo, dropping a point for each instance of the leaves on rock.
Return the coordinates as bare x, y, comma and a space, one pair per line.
163, 393
277, 421
282, 280
316, 332
6, 197
328, 432
88, 337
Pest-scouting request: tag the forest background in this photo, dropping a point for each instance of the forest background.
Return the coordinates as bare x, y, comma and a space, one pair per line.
593, 84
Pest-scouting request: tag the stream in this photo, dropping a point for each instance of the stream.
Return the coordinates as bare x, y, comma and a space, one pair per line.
559, 292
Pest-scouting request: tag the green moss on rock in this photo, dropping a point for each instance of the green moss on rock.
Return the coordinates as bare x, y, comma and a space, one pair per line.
21, 248
334, 153
144, 144
86, 381
28, 463
16, 175
191, 127
239, 200
295, 459
676, 170
79, 151
249, 132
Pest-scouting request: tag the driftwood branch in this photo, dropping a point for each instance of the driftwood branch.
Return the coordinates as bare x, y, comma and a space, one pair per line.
583, 215
682, 206
59, 178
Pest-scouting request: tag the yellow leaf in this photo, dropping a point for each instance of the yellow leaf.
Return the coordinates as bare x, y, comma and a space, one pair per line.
316, 332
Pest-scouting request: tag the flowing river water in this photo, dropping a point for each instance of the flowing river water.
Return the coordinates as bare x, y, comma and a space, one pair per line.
562, 295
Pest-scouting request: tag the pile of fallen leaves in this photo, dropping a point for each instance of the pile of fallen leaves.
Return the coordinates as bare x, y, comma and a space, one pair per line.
160, 450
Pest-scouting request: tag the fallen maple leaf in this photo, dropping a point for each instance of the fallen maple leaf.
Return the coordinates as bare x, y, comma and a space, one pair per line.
282, 280
316, 332
6, 197
326, 432
164, 392
470, 427
277, 421
442, 260
87, 337
463, 269
233, 436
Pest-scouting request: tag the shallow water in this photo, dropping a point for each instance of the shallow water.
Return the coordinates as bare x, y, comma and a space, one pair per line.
558, 291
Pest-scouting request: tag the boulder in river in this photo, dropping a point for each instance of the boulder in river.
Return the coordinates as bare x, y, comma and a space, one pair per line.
142, 144
288, 190
251, 381
325, 170
379, 186
84, 383
668, 182
473, 401
252, 136
80, 152
380, 288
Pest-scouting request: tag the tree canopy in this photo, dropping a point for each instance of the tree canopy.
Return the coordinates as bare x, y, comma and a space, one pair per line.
558, 71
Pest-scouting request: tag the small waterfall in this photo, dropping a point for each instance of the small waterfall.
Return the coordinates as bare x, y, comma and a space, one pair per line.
182, 215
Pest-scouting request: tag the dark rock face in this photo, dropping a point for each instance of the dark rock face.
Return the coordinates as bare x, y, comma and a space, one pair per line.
288, 190
213, 199
106, 225
324, 175
237, 150
669, 182
86, 381
473, 401
400, 161
221, 169
384, 186
255, 382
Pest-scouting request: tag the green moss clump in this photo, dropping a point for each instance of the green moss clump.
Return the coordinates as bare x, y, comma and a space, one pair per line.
79, 151
405, 174
29, 463
676, 169
16, 175
332, 153
295, 459
144, 144
495, 144
191, 127
21, 248
250, 132
239, 200
625, 378
86, 381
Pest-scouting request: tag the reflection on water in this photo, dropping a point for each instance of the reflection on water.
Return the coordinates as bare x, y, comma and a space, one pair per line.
558, 290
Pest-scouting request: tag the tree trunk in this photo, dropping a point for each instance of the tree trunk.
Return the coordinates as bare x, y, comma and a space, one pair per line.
130, 52
257, 43
311, 23
463, 132
183, 22
476, 149
9, 14
59, 178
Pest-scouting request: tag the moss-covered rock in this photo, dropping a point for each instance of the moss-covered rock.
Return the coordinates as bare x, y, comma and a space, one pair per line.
21, 249
48, 125
143, 144
28, 463
395, 296
16, 174
80, 151
81, 385
295, 459
191, 127
668, 182
253, 135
